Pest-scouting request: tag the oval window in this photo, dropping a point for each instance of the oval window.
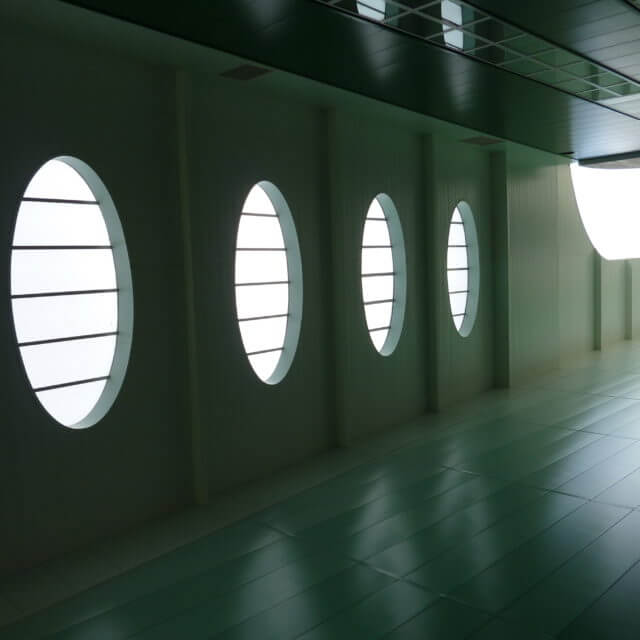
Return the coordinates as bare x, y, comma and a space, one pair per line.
463, 269
268, 282
71, 293
383, 274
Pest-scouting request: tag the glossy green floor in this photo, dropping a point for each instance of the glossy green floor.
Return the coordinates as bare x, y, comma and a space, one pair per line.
516, 517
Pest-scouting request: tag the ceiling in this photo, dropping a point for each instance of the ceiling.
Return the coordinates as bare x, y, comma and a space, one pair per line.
334, 45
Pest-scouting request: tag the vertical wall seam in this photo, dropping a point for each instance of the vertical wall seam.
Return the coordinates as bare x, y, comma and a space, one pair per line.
431, 287
339, 343
628, 300
334, 426
199, 476
500, 246
597, 301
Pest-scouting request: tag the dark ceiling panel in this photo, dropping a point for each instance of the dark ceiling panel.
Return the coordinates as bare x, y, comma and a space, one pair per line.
604, 30
315, 41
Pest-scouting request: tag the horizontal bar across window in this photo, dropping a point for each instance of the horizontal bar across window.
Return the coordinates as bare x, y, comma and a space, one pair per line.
382, 273
260, 215
261, 248
452, 293
47, 294
71, 384
256, 353
268, 317
261, 284
458, 315
64, 247
458, 246
379, 329
86, 336
376, 246
59, 201
457, 222
379, 301
457, 268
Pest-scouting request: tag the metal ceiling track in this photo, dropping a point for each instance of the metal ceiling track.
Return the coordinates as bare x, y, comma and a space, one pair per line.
461, 27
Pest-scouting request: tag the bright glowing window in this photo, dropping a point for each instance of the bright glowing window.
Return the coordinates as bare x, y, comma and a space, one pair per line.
71, 293
383, 274
463, 268
374, 9
268, 282
452, 13
608, 204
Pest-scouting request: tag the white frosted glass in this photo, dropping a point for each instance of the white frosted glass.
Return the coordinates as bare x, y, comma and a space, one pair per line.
261, 266
377, 261
64, 316
263, 334
264, 364
59, 362
608, 202
259, 232
456, 234
52, 223
376, 232
458, 302
374, 9
458, 280
62, 270
69, 405
375, 210
378, 315
379, 338
262, 300
456, 258
377, 288
258, 202
456, 217
57, 180
457, 321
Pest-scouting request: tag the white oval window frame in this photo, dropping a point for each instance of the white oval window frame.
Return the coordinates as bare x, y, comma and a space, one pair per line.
473, 263
295, 288
124, 284
399, 258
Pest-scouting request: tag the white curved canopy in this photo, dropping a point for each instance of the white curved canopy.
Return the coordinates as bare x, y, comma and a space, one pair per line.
609, 205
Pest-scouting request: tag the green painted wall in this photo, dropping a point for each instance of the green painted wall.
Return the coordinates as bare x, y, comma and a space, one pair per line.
634, 303
464, 365
575, 274
368, 157
179, 153
533, 217
552, 267
62, 488
238, 137
613, 302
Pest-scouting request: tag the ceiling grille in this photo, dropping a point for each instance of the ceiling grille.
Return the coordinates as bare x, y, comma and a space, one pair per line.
460, 27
